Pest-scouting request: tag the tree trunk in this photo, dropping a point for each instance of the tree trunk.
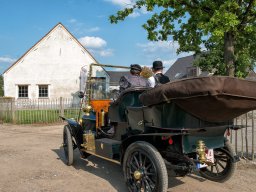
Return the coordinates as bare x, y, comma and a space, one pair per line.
229, 54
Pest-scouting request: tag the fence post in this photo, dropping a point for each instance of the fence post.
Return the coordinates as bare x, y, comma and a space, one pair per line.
252, 136
13, 110
1, 110
236, 138
61, 107
242, 137
246, 134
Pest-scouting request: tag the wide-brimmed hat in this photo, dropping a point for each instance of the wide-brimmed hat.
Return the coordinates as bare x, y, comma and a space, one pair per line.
157, 65
136, 67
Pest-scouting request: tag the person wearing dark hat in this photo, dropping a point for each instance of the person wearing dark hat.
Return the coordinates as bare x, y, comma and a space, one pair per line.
159, 77
133, 79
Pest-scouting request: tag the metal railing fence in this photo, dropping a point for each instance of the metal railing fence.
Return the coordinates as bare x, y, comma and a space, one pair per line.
243, 140
30, 111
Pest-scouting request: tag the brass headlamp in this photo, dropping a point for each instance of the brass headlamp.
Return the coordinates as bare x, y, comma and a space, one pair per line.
86, 109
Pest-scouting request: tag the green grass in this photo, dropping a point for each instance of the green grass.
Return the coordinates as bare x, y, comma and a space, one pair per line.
38, 116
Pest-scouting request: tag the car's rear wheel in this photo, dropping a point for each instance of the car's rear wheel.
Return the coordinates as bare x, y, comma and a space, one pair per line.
144, 168
223, 167
68, 146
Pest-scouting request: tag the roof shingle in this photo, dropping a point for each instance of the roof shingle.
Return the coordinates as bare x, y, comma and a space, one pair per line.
179, 68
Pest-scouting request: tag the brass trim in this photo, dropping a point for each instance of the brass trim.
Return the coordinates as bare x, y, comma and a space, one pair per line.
93, 153
201, 151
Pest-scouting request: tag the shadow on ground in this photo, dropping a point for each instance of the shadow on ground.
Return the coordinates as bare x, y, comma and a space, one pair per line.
109, 171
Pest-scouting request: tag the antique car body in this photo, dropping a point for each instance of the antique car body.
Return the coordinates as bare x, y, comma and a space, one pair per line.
181, 126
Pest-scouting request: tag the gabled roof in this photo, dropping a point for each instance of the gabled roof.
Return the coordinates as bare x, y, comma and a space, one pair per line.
179, 68
116, 75
45, 37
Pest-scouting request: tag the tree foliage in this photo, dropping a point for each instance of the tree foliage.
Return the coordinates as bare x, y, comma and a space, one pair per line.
226, 29
1, 86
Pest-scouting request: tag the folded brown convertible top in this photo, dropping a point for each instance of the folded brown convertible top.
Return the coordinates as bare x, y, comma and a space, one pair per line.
214, 99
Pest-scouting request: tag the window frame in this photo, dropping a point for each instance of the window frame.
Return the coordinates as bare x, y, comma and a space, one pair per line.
192, 71
19, 92
47, 91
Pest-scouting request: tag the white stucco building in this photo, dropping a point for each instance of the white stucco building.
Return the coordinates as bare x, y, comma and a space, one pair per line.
54, 67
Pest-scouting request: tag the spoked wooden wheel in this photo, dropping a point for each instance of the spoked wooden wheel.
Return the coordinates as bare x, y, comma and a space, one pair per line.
144, 168
223, 167
68, 146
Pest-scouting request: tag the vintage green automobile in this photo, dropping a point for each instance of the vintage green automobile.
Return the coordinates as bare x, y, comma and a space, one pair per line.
180, 125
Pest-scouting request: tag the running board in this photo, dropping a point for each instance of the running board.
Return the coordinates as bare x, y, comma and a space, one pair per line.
105, 158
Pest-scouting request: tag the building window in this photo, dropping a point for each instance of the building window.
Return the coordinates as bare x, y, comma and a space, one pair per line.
23, 91
192, 71
43, 90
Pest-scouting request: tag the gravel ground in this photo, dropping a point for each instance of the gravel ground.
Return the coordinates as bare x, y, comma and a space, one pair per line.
31, 160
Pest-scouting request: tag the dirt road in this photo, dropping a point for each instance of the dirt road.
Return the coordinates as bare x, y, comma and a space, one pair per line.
31, 160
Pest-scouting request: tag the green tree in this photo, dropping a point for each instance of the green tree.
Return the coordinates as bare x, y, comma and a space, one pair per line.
1, 86
225, 28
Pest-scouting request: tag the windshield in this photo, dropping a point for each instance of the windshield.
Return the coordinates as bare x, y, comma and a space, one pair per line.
99, 88
104, 84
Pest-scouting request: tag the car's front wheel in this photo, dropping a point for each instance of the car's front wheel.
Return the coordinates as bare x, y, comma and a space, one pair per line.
68, 146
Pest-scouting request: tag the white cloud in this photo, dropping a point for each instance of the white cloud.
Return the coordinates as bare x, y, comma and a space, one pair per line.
165, 51
129, 4
93, 29
168, 63
80, 28
134, 14
72, 20
122, 3
106, 53
163, 46
143, 10
7, 60
96, 45
118, 69
92, 42
102, 52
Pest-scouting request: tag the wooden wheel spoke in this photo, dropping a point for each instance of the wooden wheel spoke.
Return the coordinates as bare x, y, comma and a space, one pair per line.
133, 166
223, 160
138, 185
130, 176
150, 164
140, 159
211, 168
136, 161
150, 182
150, 173
134, 186
217, 169
148, 187
144, 185
219, 163
221, 156
144, 162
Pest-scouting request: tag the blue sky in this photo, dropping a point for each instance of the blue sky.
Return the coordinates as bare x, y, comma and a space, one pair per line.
24, 22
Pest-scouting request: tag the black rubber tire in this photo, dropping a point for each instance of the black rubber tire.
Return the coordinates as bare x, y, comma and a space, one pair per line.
153, 159
228, 168
68, 146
